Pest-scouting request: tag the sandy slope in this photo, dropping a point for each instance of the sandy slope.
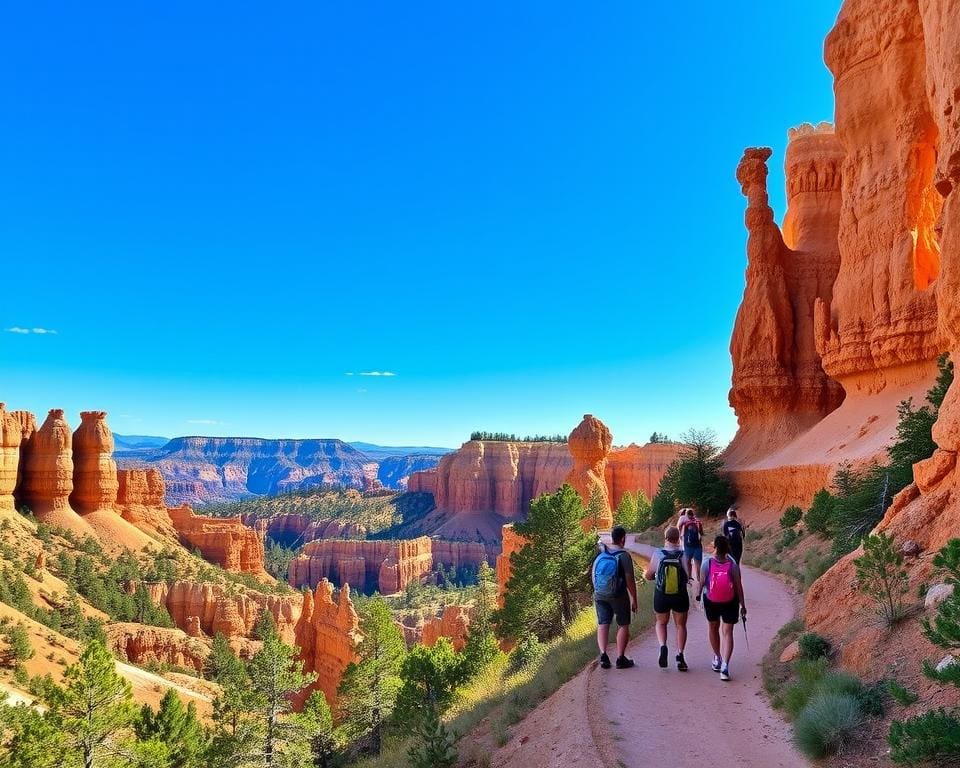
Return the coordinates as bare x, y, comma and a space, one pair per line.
633, 718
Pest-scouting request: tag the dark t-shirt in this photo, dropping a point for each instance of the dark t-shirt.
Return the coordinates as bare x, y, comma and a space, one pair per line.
625, 568
733, 530
691, 534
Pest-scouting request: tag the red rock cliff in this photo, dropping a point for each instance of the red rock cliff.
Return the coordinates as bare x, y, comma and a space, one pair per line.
140, 500
453, 622
94, 470
638, 468
589, 443
222, 540
10, 436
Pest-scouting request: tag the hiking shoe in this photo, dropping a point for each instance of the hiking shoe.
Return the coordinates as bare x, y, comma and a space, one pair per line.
716, 664
681, 662
725, 673
663, 657
604, 661
624, 663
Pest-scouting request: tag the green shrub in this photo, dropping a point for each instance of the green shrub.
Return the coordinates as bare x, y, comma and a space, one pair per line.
881, 576
788, 538
900, 694
790, 517
819, 518
798, 693
825, 723
529, 652
813, 646
932, 737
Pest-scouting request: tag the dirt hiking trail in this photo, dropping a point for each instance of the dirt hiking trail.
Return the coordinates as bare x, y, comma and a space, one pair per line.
636, 717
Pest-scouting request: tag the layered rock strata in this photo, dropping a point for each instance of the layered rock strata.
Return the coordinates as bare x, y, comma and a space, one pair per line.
223, 540
140, 501
47, 480
141, 645
294, 529
387, 566
453, 623
95, 481
10, 437
638, 468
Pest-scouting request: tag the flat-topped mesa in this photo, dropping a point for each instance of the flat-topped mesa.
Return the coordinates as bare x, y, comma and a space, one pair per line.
10, 437
589, 444
881, 314
95, 481
223, 540
47, 480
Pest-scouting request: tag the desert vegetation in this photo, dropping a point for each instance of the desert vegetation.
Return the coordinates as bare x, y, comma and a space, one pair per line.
510, 437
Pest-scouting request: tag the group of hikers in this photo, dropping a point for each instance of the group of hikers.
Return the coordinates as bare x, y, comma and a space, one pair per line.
678, 571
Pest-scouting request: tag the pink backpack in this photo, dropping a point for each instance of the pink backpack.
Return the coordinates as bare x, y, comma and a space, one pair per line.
720, 586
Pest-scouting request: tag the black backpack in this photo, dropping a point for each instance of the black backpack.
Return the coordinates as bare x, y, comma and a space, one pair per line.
671, 575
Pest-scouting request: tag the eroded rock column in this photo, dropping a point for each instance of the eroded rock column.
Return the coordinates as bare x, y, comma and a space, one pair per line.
47, 480
95, 481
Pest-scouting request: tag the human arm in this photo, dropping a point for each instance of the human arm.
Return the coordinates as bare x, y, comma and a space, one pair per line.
738, 583
650, 571
630, 578
704, 574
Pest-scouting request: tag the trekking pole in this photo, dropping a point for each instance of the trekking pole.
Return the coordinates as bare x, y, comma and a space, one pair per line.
745, 635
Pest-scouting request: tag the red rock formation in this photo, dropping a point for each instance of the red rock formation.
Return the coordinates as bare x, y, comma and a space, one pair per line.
453, 622
222, 540
589, 443
298, 528
385, 565
140, 501
423, 482
212, 609
10, 436
638, 468
327, 634
94, 470
512, 542
141, 644
48, 467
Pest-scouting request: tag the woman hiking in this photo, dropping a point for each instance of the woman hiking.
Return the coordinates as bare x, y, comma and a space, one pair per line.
723, 602
670, 594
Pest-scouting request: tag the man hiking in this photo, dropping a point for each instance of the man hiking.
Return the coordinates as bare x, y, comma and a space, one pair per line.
614, 596
692, 532
670, 594
723, 603
733, 532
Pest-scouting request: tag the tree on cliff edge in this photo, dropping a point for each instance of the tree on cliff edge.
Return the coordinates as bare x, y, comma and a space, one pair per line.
549, 574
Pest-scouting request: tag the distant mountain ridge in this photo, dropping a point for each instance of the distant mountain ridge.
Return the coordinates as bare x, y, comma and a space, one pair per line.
201, 470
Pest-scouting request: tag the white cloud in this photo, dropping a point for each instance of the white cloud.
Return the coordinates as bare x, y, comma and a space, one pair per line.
38, 331
348, 373
377, 373
203, 421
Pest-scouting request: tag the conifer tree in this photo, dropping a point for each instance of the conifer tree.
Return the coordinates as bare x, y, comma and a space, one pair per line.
175, 726
481, 646
316, 723
368, 690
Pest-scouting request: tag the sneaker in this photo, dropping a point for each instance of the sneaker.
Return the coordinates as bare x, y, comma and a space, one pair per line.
716, 664
604, 661
624, 663
725, 673
663, 657
681, 662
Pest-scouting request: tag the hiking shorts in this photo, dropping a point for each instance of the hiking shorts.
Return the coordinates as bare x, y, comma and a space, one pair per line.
679, 603
728, 613
693, 553
618, 607
736, 550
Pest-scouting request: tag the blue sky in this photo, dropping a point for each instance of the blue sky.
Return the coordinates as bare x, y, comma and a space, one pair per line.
525, 211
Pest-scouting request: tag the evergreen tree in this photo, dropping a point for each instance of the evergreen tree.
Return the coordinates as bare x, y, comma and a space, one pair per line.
644, 511
94, 708
316, 723
18, 644
368, 690
596, 507
230, 708
175, 726
549, 574
275, 675
430, 678
664, 504
626, 514
29, 738
700, 479
481, 647
434, 748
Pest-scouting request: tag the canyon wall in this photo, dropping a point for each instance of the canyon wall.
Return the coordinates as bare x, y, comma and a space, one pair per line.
294, 529
139, 644
387, 566
898, 105
223, 540
638, 468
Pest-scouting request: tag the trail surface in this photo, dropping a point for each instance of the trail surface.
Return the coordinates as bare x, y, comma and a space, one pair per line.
647, 715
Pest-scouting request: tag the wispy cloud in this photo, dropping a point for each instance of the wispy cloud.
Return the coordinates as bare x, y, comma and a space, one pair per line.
38, 331
203, 421
377, 373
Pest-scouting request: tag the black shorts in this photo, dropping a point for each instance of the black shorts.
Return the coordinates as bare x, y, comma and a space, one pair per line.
618, 607
729, 613
679, 603
736, 549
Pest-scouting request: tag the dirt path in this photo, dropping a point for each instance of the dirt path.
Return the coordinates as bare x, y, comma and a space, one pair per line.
631, 718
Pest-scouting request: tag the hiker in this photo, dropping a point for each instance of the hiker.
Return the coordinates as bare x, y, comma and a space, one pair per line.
723, 602
733, 531
614, 596
670, 594
692, 532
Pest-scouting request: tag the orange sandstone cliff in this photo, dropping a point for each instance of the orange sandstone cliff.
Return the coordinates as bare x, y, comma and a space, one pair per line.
10, 436
223, 540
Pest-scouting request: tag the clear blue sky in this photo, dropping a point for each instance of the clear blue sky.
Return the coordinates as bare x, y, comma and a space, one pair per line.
526, 211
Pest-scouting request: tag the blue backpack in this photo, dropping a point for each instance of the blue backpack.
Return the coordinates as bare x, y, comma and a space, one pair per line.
607, 581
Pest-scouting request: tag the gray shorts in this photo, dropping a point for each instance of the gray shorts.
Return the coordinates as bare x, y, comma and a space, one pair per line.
607, 610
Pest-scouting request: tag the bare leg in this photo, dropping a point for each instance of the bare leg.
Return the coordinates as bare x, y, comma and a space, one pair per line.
714, 634
603, 637
680, 619
662, 619
623, 637
727, 643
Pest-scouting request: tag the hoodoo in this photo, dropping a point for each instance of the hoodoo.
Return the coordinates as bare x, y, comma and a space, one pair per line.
589, 444
48, 467
94, 470
10, 436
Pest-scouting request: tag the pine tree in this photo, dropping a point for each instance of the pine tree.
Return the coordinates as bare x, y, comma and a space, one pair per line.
434, 748
596, 507
481, 646
430, 677
700, 479
368, 690
626, 514
29, 739
275, 675
95, 707
644, 511
175, 726
549, 574
18, 644
316, 722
